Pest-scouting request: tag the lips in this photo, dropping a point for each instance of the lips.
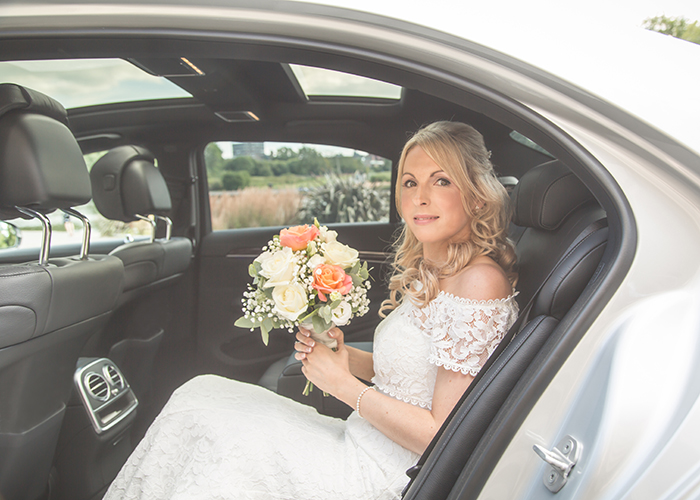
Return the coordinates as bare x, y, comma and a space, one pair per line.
425, 219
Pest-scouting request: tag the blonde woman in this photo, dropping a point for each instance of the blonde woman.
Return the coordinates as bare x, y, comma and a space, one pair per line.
451, 302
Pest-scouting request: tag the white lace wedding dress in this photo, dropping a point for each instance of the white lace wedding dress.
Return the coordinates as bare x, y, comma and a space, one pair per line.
221, 439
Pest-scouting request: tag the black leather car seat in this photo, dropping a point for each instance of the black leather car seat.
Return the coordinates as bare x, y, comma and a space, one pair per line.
562, 246
127, 186
49, 307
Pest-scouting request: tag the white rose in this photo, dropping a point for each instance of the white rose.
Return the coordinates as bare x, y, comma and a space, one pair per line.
316, 261
341, 314
277, 267
290, 301
327, 235
340, 255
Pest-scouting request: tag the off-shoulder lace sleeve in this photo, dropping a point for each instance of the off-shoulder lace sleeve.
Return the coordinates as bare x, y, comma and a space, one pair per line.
465, 332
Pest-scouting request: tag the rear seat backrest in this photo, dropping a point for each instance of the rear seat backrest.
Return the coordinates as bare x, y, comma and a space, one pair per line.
127, 186
50, 307
554, 207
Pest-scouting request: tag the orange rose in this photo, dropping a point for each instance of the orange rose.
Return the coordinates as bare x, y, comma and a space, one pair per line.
298, 237
329, 279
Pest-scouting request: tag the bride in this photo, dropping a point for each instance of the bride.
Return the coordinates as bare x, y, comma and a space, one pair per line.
451, 302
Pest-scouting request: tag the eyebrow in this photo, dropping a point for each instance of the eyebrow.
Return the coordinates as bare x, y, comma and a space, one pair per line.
437, 172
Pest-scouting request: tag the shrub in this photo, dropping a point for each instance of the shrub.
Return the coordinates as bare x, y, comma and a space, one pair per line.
235, 180
240, 163
349, 199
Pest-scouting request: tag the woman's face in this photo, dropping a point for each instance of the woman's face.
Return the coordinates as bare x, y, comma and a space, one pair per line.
431, 205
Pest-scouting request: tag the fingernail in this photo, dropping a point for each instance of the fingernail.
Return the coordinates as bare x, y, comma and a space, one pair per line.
312, 343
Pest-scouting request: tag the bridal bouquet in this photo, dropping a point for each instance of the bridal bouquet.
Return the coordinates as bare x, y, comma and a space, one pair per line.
304, 276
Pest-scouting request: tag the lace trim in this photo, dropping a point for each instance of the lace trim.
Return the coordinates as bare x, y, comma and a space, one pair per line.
405, 399
488, 302
454, 366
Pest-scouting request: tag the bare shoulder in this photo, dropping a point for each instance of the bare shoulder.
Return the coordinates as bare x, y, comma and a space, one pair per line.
483, 279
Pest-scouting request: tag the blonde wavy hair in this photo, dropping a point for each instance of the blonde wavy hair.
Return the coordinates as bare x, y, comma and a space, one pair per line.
460, 152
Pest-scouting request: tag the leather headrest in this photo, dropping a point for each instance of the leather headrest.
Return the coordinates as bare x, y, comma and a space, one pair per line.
41, 164
546, 195
14, 97
126, 183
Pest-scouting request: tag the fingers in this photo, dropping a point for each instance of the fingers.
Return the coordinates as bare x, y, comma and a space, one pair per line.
304, 345
337, 334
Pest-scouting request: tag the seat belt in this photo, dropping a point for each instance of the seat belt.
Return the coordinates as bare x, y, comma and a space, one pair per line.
507, 339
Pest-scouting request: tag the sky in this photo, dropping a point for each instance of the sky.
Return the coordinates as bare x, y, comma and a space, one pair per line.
599, 45
517, 13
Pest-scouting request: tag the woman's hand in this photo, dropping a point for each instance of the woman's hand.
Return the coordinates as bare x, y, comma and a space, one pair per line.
304, 344
326, 369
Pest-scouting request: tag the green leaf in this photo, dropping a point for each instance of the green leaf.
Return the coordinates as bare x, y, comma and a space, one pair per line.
320, 325
244, 322
264, 333
326, 313
252, 272
267, 323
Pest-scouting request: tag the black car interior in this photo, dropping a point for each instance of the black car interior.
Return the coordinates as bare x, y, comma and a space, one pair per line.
49, 308
161, 311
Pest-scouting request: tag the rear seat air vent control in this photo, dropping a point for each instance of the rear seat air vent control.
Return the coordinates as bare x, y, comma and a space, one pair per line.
104, 391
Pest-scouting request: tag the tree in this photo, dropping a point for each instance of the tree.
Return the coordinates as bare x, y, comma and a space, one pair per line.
678, 27
212, 157
309, 162
285, 153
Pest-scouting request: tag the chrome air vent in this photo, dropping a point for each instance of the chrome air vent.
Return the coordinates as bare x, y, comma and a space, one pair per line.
114, 377
105, 393
96, 386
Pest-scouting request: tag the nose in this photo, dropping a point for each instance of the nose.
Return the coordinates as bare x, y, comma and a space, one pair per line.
421, 196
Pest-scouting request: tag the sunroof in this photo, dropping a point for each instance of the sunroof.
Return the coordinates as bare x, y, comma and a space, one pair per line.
86, 82
326, 82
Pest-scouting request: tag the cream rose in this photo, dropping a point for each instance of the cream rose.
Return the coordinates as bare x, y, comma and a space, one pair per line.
340, 255
328, 235
342, 313
277, 267
316, 261
290, 301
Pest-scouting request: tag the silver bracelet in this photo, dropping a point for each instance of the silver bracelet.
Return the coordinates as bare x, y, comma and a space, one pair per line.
359, 398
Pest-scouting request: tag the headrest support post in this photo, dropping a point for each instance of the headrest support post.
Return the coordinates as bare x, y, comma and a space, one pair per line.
168, 226
45, 233
152, 222
87, 229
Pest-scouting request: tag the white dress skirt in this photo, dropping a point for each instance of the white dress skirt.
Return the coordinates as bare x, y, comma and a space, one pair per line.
221, 439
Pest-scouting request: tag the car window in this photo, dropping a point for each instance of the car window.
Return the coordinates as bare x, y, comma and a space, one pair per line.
69, 230
277, 184
521, 139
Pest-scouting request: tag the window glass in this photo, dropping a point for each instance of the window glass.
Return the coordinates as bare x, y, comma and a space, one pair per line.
520, 138
280, 184
69, 230
326, 82
87, 82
